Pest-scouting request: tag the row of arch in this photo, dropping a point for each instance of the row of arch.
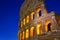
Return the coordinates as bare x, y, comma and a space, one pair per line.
31, 31
30, 17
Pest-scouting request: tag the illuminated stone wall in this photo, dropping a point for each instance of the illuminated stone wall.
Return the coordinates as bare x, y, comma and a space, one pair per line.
35, 22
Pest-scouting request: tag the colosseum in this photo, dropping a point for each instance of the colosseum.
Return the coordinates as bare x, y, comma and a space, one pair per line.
36, 23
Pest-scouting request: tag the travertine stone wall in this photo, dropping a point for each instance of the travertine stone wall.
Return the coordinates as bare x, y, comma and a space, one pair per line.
26, 9
29, 6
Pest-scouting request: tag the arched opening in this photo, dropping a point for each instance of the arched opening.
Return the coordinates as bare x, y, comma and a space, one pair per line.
40, 14
32, 31
27, 33
32, 15
24, 21
21, 23
49, 27
38, 11
27, 19
22, 37
39, 29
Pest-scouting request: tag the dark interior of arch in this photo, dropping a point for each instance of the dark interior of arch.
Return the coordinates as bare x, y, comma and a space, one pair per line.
49, 27
40, 14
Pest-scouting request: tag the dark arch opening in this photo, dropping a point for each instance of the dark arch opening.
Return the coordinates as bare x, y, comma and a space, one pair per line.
49, 27
40, 14
33, 16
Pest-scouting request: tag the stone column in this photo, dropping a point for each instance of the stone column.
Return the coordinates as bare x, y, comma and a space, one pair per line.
43, 26
35, 25
56, 25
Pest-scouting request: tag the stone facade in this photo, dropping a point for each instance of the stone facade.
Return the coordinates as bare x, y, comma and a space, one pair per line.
49, 26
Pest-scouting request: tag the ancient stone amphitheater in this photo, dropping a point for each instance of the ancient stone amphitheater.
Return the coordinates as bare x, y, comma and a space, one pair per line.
36, 23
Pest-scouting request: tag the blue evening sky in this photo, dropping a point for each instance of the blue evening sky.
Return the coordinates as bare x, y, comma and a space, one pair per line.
9, 16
